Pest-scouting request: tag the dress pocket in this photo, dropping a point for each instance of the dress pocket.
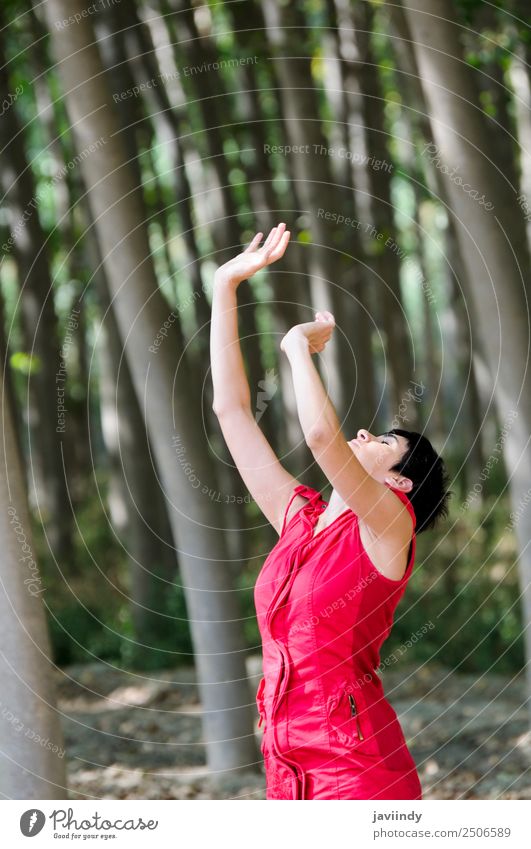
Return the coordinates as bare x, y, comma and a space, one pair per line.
344, 715
354, 719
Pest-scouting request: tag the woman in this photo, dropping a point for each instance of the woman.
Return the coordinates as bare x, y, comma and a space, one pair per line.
327, 592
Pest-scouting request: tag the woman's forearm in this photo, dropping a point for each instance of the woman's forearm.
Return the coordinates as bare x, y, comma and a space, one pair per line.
317, 415
231, 387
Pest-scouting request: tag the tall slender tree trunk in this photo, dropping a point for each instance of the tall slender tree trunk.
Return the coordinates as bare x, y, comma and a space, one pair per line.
167, 392
9, 388
356, 342
521, 83
40, 329
139, 513
318, 195
194, 47
136, 504
493, 244
469, 424
435, 398
138, 47
383, 240
75, 439
467, 420
290, 287
31, 737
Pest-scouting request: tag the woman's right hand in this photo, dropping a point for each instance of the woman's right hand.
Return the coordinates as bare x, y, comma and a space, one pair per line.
253, 258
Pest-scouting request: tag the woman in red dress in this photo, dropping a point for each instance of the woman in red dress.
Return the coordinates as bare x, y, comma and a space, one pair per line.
327, 592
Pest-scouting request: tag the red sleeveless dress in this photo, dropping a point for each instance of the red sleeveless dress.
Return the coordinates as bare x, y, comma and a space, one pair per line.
323, 612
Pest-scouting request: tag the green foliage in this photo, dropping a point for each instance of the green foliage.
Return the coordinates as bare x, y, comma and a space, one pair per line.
89, 614
465, 582
25, 363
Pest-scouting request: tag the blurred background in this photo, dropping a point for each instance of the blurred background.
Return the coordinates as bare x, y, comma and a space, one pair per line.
142, 145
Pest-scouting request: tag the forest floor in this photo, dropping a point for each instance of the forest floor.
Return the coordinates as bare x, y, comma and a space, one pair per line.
138, 736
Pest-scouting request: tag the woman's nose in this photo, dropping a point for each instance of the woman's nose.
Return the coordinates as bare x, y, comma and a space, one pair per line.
363, 434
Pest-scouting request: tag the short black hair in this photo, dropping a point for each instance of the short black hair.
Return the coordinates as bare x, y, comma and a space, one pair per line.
425, 468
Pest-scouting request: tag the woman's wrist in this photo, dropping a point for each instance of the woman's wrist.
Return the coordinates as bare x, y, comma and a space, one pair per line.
295, 341
225, 281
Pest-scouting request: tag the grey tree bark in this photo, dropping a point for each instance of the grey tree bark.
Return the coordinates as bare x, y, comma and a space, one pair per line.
355, 306
31, 737
493, 244
521, 83
142, 58
40, 329
194, 47
466, 425
269, 207
167, 392
317, 193
384, 258
136, 505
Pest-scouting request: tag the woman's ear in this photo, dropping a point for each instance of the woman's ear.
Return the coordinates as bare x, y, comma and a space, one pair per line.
402, 483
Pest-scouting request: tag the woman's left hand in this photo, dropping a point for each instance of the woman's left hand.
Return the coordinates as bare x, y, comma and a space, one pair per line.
317, 333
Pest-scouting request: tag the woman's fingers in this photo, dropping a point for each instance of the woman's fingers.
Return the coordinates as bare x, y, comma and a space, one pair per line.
278, 250
276, 236
253, 244
270, 238
274, 246
325, 316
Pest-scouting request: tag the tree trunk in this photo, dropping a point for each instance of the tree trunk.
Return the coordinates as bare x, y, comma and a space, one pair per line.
290, 287
493, 245
139, 48
76, 442
137, 507
40, 331
9, 388
468, 422
432, 364
194, 48
468, 405
383, 235
356, 342
31, 738
167, 392
317, 193
521, 83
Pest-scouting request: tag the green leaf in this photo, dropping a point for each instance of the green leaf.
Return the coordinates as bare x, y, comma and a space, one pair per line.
25, 363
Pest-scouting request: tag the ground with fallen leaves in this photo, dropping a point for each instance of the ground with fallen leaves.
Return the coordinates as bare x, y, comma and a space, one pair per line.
138, 736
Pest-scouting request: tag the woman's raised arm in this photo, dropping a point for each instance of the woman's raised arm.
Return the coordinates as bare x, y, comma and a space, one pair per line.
269, 483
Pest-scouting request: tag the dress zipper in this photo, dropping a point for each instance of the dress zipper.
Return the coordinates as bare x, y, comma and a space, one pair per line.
354, 713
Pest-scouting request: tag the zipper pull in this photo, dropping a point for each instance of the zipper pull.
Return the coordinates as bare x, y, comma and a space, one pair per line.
354, 713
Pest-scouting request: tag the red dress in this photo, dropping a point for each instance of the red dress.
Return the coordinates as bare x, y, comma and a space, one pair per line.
323, 612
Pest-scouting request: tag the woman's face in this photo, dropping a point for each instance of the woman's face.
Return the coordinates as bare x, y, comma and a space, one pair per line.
377, 454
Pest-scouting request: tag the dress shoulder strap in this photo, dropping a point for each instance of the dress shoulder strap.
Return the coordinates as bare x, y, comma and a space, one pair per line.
300, 489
